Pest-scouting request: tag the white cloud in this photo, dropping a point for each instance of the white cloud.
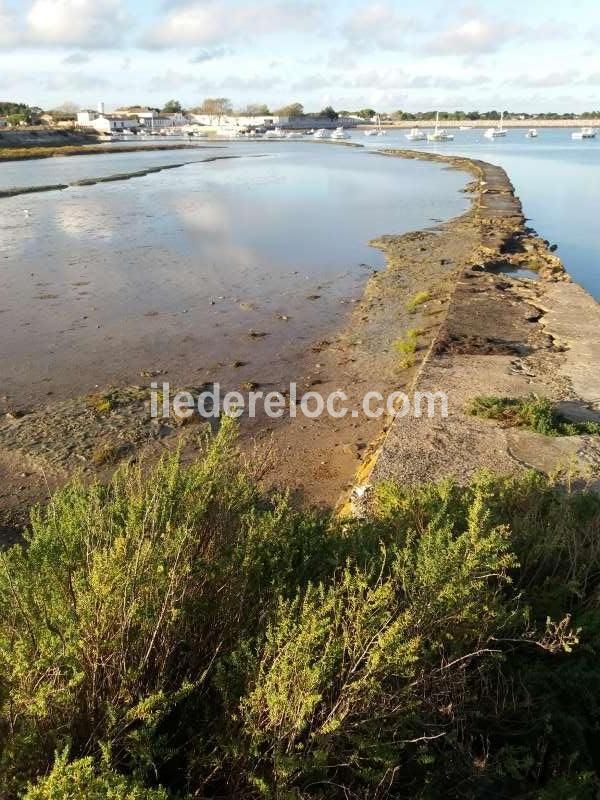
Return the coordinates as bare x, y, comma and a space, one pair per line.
209, 54
76, 58
211, 22
74, 82
548, 80
173, 81
474, 35
312, 82
342, 57
378, 25
75, 23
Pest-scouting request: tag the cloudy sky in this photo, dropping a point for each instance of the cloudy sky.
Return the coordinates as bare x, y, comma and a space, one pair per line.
389, 54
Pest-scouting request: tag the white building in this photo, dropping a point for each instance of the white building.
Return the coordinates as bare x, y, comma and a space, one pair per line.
106, 123
151, 119
3, 122
111, 123
86, 118
238, 121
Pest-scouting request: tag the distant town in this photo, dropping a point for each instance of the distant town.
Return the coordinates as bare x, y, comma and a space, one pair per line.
219, 115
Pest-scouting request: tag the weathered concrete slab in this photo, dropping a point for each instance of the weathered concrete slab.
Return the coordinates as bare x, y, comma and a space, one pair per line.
506, 337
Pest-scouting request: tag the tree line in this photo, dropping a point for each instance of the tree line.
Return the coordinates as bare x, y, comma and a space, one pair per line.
218, 107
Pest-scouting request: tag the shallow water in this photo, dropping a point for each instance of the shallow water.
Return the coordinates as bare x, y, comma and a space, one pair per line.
173, 270
557, 179
65, 169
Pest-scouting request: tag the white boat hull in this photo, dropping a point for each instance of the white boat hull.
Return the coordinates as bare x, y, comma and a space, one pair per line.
586, 134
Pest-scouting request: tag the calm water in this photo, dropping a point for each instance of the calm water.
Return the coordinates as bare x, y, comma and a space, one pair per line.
65, 169
557, 179
173, 270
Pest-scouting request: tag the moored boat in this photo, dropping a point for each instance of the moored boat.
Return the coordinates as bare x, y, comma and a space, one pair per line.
584, 133
340, 133
439, 134
276, 133
416, 135
495, 133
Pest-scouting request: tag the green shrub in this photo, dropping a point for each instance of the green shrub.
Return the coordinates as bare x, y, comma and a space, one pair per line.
534, 413
348, 670
80, 780
180, 629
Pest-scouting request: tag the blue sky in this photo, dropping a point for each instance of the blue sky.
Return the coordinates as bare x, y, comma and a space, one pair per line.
388, 54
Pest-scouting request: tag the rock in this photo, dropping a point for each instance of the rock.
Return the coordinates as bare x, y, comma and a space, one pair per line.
151, 373
16, 413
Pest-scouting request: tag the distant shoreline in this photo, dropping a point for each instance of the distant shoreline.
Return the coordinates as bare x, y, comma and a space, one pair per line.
490, 123
52, 151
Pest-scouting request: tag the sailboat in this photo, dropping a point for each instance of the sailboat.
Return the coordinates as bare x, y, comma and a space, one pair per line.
439, 134
494, 133
378, 131
416, 135
340, 133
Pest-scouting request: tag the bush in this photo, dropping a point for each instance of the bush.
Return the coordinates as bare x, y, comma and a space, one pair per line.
80, 780
180, 629
350, 670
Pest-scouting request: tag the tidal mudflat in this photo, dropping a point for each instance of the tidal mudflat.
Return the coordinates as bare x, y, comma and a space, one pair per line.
253, 271
170, 273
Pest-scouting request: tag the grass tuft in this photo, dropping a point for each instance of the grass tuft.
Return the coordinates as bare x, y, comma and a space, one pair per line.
533, 413
406, 347
417, 300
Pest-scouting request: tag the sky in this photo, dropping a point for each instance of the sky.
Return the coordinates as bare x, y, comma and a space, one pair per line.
387, 54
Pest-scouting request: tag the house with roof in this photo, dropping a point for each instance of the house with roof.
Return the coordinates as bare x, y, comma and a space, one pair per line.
106, 123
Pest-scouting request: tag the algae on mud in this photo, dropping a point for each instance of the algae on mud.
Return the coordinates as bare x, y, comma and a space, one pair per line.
54, 151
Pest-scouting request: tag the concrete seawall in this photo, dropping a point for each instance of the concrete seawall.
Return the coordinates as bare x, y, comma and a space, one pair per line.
501, 335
